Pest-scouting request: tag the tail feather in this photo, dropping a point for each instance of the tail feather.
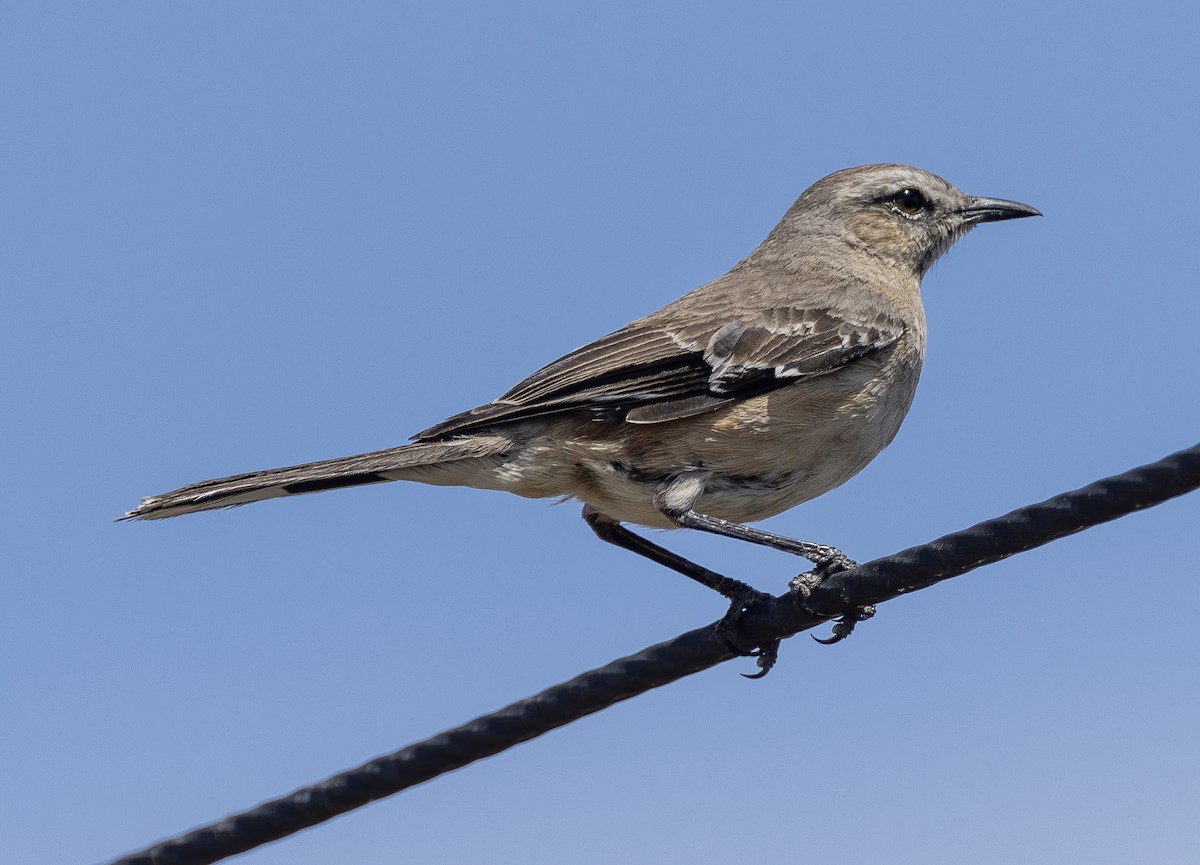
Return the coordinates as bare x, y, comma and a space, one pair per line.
393, 464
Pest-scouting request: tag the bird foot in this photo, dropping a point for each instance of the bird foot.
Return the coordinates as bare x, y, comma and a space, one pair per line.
803, 585
831, 561
765, 656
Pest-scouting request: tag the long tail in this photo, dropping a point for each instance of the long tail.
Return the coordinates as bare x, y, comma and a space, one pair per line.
431, 462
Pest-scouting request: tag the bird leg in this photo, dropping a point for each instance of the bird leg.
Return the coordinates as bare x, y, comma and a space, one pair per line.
741, 595
613, 532
829, 560
677, 496
676, 499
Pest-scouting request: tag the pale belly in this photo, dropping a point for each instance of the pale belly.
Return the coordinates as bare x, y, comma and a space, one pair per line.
761, 456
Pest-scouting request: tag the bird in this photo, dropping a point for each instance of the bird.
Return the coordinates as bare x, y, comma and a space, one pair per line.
754, 393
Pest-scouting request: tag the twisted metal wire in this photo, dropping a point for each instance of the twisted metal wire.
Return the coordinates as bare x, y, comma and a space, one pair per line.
870, 583
1015, 532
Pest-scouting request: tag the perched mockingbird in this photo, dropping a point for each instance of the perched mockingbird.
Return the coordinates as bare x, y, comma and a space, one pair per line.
756, 392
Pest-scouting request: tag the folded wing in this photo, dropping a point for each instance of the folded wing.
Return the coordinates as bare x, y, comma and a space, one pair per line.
651, 372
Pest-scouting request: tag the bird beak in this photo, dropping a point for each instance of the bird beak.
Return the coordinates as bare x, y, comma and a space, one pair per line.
996, 209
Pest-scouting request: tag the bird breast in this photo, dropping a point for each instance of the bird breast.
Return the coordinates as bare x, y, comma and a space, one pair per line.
763, 455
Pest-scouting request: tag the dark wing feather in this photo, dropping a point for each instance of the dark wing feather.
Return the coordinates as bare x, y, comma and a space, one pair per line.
787, 343
650, 372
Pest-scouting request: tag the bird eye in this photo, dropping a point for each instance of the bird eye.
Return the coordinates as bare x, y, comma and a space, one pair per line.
910, 201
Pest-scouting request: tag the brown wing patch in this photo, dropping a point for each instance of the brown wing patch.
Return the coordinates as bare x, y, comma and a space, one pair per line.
649, 373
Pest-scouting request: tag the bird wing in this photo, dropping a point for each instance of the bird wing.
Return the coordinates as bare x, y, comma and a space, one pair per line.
653, 371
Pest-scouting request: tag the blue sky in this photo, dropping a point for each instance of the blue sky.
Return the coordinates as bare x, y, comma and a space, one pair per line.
238, 235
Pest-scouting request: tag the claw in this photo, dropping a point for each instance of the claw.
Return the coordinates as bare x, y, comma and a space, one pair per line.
838, 635
844, 626
767, 656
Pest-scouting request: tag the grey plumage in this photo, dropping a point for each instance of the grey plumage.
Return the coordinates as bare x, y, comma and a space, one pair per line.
369, 468
745, 397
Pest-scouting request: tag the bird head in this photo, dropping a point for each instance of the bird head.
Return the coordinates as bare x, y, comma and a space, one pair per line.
897, 212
